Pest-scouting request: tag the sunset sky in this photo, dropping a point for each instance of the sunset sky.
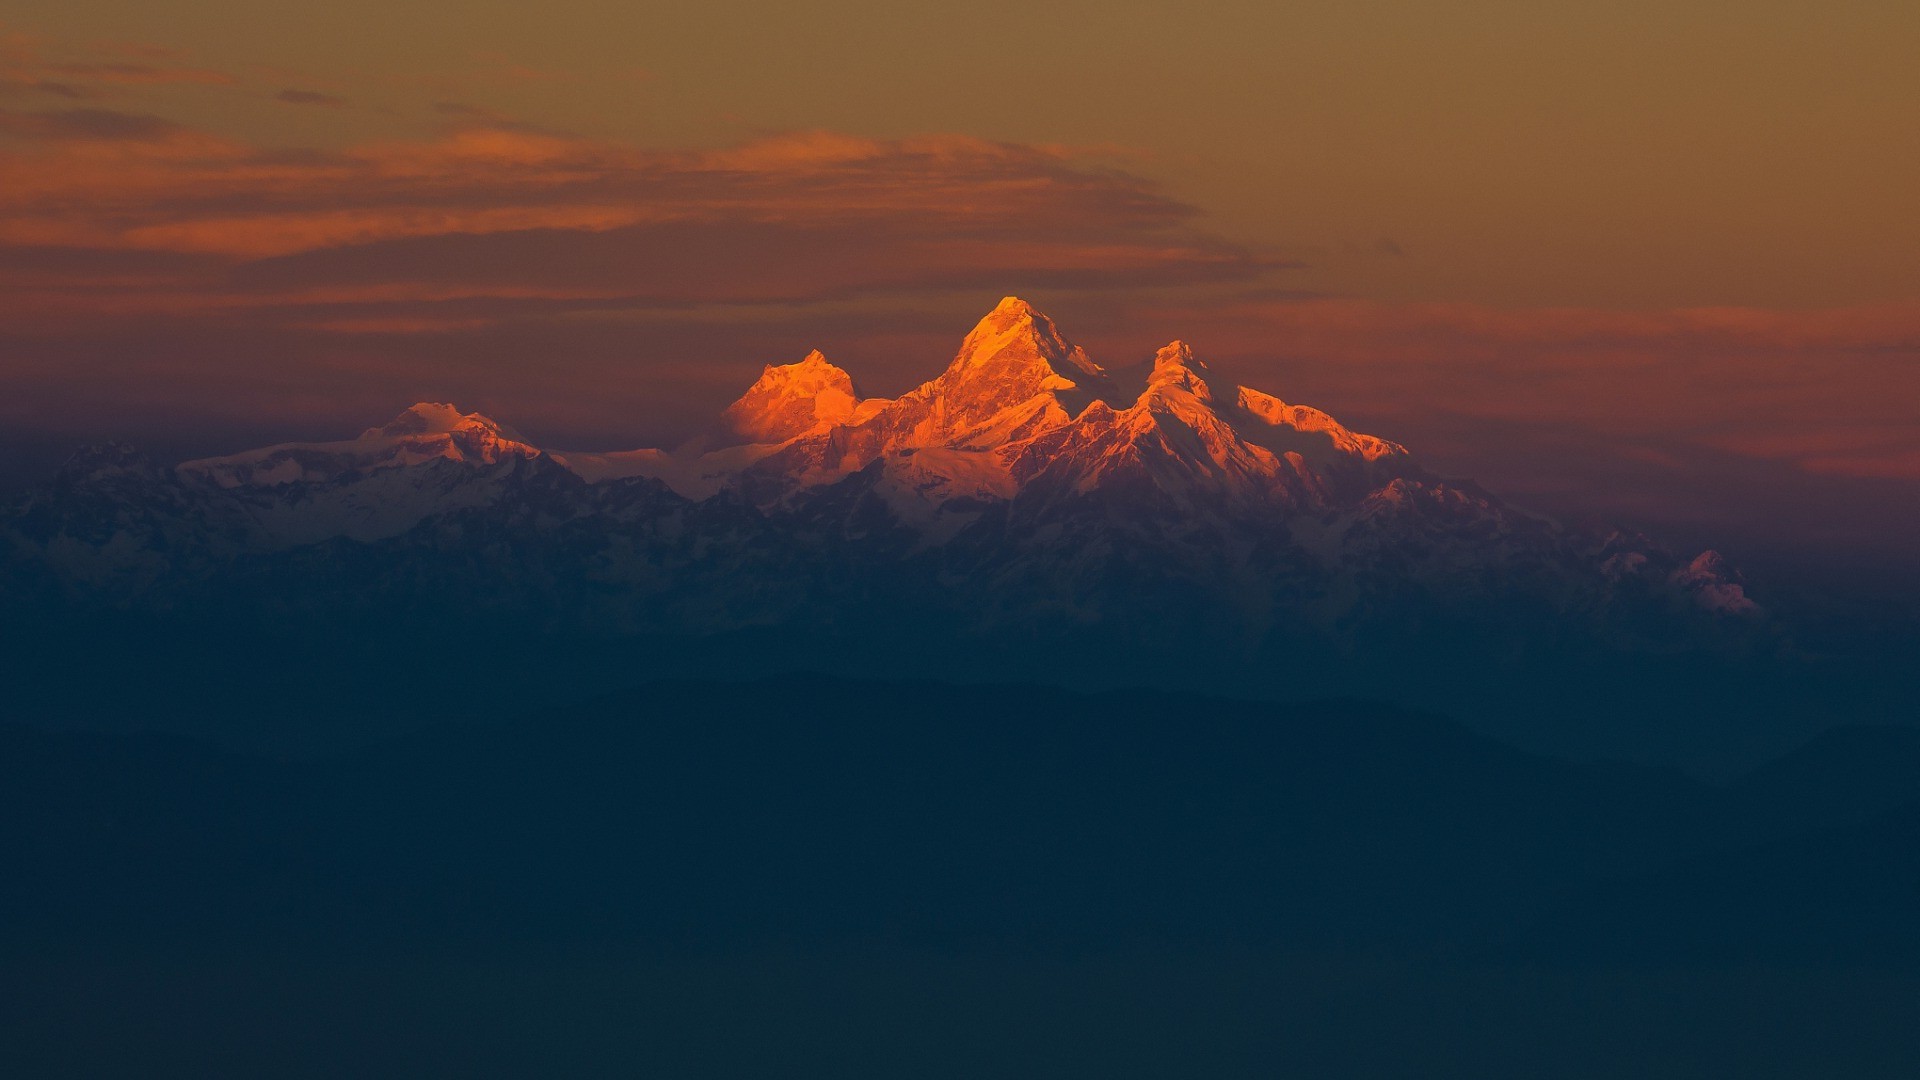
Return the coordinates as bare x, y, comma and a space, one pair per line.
1653, 261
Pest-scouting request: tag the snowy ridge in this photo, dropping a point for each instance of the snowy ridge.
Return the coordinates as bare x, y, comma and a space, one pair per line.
425, 432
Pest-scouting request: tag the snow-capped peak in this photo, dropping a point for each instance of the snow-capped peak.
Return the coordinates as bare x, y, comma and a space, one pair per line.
424, 432
1015, 334
1176, 366
1014, 376
438, 418
789, 400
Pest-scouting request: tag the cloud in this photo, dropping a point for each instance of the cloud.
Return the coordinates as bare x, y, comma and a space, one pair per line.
133, 74
85, 125
309, 97
25, 66
62, 90
141, 50
489, 208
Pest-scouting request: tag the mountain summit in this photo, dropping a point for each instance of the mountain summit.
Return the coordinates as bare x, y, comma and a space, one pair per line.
1014, 376
789, 401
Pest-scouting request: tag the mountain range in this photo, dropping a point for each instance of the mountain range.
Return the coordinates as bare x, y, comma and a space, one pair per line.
1024, 489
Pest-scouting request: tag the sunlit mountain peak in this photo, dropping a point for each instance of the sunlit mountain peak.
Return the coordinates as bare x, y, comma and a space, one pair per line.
789, 400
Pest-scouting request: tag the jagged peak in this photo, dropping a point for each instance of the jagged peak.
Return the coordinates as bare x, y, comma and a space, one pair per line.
808, 370
1176, 366
1015, 375
791, 399
1176, 353
1015, 330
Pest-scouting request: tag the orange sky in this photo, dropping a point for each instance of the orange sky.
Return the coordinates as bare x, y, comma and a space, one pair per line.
1658, 261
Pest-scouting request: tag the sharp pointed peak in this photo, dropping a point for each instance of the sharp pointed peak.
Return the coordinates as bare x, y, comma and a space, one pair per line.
815, 363
1177, 353
1011, 312
814, 359
1176, 366
1017, 326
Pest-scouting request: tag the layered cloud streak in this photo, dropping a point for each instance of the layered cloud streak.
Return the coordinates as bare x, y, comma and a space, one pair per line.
503, 213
